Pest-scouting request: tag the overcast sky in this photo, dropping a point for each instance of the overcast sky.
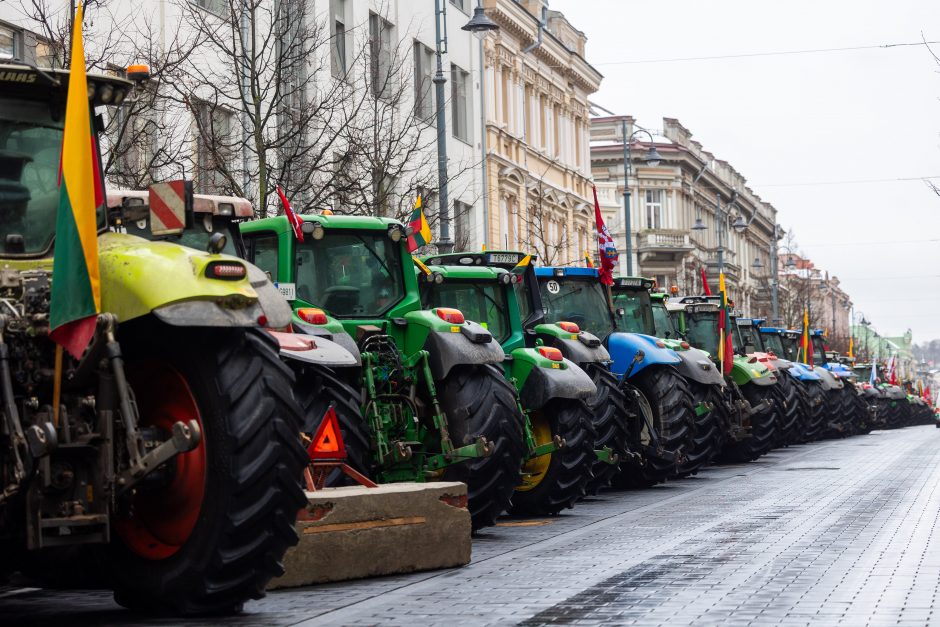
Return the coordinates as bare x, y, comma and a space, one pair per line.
790, 122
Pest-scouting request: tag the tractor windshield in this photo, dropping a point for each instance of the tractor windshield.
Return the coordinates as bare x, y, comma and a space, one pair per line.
819, 350
582, 301
350, 274
30, 145
791, 346
863, 372
664, 325
204, 225
634, 314
750, 338
701, 330
773, 343
481, 302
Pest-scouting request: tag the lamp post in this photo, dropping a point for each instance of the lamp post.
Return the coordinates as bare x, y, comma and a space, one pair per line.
652, 159
480, 25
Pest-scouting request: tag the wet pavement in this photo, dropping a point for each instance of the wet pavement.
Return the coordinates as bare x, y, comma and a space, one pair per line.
832, 533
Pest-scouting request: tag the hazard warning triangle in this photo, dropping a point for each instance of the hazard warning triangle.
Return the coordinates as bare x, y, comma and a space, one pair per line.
327, 442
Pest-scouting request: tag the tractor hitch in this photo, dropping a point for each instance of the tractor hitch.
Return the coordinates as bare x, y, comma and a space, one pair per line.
185, 438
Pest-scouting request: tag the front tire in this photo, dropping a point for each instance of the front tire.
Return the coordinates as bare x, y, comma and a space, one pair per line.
673, 416
789, 415
213, 536
479, 401
763, 425
707, 428
555, 481
608, 409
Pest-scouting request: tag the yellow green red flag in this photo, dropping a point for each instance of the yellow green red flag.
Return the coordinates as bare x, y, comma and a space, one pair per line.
419, 230
76, 284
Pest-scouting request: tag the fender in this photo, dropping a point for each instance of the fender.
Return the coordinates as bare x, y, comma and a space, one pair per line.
133, 271
455, 347
829, 382
802, 372
581, 348
744, 371
541, 380
623, 348
697, 366
335, 334
303, 348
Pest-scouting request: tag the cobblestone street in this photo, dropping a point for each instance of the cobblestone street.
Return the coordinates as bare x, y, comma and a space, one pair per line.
837, 532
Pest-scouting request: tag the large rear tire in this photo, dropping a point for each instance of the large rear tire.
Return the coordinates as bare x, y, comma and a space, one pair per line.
763, 426
707, 429
214, 534
610, 417
317, 388
479, 401
789, 415
556, 481
836, 423
673, 416
815, 412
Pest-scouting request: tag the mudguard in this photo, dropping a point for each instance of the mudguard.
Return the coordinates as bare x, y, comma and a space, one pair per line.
623, 348
744, 371
697, 366
447, 349
340, 337
541, 382
307, 349
828, 380
133, 273
581, 348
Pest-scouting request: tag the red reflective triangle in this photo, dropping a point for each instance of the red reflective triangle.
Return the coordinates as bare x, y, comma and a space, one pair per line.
327, 441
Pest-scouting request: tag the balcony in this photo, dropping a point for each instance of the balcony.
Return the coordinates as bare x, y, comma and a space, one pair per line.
663, 245
731, 268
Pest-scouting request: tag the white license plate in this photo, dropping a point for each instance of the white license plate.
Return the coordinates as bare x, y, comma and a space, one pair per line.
287, 290
503, 258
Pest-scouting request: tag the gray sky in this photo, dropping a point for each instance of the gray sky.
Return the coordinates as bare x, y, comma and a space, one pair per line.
804, 118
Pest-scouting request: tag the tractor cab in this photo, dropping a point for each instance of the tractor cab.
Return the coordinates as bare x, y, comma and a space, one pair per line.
633, 305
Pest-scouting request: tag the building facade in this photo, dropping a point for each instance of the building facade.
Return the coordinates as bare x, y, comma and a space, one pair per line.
537, 167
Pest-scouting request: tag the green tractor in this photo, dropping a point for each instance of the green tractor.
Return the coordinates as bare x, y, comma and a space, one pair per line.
608, 405
433, 401
167, 465
752, 419
643, 311
552, 390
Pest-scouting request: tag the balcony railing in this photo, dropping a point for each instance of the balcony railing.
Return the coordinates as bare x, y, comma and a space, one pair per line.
664, 240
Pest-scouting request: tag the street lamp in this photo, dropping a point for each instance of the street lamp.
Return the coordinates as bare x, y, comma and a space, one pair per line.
480, 24
757, 265
477, 24
652, 159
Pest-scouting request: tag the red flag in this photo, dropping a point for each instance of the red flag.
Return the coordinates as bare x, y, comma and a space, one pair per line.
292, 217
605, 246
707, 290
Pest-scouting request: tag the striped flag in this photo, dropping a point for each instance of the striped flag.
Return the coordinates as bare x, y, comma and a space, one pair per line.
605, 246
292, 217
76, 285
419, 232
806, 343
725, 345
872, 378
588, 262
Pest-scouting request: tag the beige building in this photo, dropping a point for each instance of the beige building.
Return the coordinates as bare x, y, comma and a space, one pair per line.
689, 188
538, 192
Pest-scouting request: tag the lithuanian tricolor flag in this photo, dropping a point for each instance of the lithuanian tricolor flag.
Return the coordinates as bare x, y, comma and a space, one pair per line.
76, 288
420, 231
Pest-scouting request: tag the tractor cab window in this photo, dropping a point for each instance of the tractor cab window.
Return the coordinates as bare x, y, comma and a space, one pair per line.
196, 236
483, 303
663, 323
634, 314
583, 302
737, 339
773, 343
263, 252
791, 346
863, 372
819, 349
523, 297
750, 338
350, 275
701, 330
30, 146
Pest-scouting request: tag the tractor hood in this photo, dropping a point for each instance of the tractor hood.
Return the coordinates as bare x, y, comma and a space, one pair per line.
625, 347
181, 285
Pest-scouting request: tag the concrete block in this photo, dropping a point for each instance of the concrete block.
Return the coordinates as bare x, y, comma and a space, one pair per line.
355, 532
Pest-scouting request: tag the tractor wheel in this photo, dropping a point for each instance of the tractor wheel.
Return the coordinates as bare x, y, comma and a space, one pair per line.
863, 421
904, 413
815, 412
707, 428
673, 420
553, 482
789, 415
479, 401
317, 388
836, 423
208, 533
608, 408
763, 425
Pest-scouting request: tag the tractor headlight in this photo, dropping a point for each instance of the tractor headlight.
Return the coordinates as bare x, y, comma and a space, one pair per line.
106, 94
395, 233
505, 279
314, 229
437, 277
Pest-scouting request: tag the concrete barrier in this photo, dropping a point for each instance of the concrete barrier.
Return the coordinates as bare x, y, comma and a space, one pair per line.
356, 532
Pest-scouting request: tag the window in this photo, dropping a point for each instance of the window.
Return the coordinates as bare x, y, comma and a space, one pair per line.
213, 147
460, 102
339, 60
8, 47
219, 7
263, 253
462, 225
482, 302
380, 48
460, 4
424, 75
654, 208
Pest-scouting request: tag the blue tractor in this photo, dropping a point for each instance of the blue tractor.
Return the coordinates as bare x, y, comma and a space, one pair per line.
663, 429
